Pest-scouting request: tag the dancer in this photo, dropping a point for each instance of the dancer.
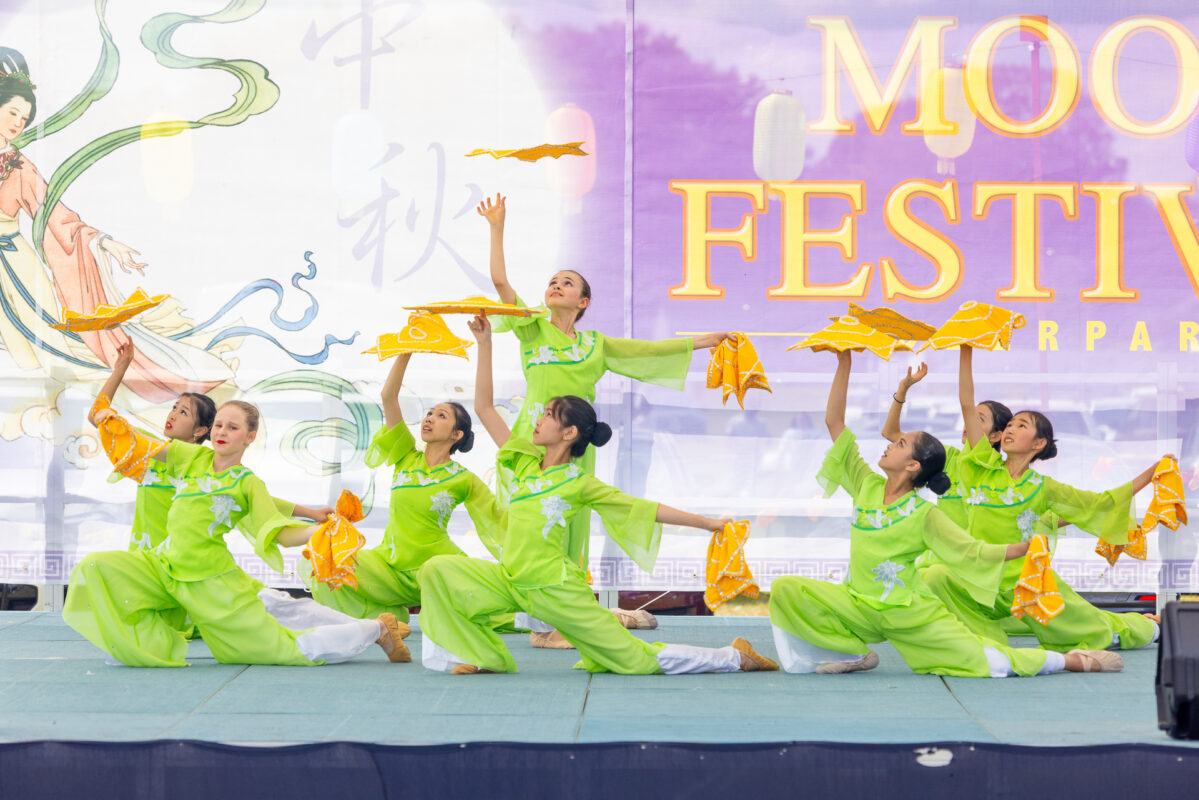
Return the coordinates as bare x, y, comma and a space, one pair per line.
1008, 499
426, 488
123, 602
823, 627
536, 574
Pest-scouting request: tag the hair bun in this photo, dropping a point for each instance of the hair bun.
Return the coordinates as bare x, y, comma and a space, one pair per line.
940, 483
601, 434
466, 442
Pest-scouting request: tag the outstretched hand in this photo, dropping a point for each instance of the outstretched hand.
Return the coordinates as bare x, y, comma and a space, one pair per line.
913, 378
480, 326
125, 354
493, 212
124, 255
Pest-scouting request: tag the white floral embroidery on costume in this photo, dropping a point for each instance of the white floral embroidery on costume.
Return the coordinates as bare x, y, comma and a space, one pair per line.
424, 479
179, 483
208, 485
554, 509
587, 338
401, 478
544, 355
391, 548
453, 468
575, 352
907, 508
163, 546
443, 504
976, 496
142, 540
535, 412
876, 519
223, 506
887, 573
572, 471
1011, 496
1035, 480
537, 484
1025, 522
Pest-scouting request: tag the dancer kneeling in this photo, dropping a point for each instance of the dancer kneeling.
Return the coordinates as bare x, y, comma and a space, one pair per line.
125, 602
822, 627
536, 574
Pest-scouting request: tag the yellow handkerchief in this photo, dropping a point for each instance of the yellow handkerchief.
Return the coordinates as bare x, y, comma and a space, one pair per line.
333, 549
978, 325
1036, 591
127, 448
424, 333
727, 573
736, 369
891, 322
104, 316
1167, 508
849, 333
534, 153
475, 305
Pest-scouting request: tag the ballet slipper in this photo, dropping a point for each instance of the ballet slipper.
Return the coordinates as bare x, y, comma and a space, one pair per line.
470, 669
751, 660
636, 620
392, 639
1099, 660
868, 661
550, 640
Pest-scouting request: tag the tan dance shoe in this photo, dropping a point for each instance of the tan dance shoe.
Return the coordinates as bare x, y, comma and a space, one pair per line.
392, 640
751, 660
868, 661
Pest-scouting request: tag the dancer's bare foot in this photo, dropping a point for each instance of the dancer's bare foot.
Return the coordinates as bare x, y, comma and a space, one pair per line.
640, 619
1094, 661
751, 660
868, 661
392, 633
1155, 617
551, 640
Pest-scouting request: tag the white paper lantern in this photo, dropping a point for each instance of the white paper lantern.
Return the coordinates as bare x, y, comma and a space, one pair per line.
780, 129
947, 147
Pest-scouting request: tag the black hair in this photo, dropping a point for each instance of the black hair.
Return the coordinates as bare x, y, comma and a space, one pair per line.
15, 81
928, 451
461, 423
585, 291
204, 411
1001, 415
571, 410
1044, 429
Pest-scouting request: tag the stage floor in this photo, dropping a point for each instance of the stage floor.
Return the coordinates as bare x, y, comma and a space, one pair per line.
55, 685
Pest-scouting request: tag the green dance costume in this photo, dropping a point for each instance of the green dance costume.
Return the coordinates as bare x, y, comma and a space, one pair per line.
883, 597
539, 576
1004, 510
422, 499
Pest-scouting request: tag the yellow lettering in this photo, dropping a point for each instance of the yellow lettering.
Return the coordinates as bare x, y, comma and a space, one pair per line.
980, 90
840, 43
1025, 229
1047, 335
1096, 330
699, 239
1109, 240
798, 237
1105, 63
1179, 224
1188, 336
924, 239
1140, 337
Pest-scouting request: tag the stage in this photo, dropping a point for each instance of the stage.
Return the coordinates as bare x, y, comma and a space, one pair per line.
556, 728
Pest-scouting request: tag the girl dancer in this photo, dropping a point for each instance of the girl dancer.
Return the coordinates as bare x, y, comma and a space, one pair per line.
125, 602
1007, 499
822, 627
536, 574
426, 487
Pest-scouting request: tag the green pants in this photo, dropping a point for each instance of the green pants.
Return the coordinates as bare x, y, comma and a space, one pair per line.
1080, 626
926, 635
461, 596
128, 605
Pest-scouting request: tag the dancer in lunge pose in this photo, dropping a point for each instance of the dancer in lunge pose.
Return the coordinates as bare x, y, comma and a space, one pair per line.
826, 628
537, 574
1007, 500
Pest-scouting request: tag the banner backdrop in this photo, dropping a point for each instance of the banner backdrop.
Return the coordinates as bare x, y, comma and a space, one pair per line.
294, 173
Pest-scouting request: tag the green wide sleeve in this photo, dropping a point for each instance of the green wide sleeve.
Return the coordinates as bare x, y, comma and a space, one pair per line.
525, 328
630, 521
976, 564
664, 362
389, 445
1107, 515
485, 512
284, 507
518, 454
976, 465
843, 466
262, 522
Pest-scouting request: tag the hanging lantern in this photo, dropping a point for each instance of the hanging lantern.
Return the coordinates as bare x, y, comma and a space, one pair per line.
571, 177
780, 127
947, 147
1192, 143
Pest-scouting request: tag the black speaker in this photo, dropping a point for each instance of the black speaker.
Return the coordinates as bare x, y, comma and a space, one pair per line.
1178, 671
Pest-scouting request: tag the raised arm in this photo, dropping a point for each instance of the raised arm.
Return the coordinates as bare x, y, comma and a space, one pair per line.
834, 412
125, 355
494, 213
484, 393
709, 339
891, 429
295, 535
1144, 479
673, 516
391, 390
974, 426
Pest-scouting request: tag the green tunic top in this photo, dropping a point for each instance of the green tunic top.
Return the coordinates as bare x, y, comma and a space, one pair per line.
542, 506
1005, 510
422, 500
555, 364
208, 504
952, 502
886, 539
